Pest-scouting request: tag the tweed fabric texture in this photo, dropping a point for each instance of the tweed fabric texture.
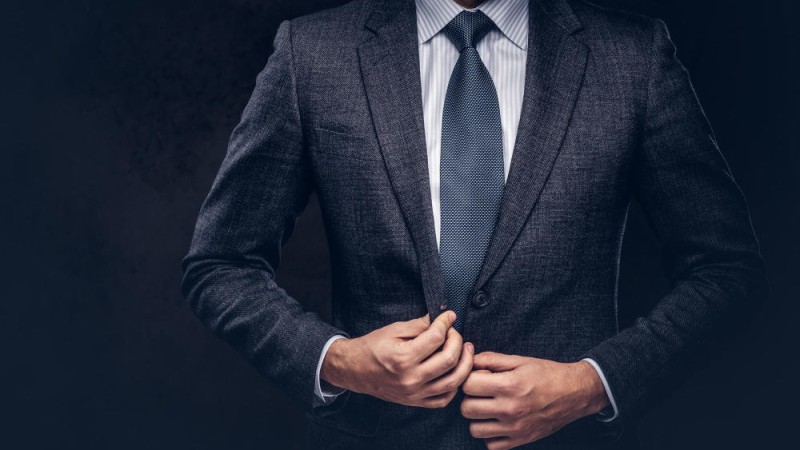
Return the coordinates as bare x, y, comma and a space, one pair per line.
609, 117
471, 163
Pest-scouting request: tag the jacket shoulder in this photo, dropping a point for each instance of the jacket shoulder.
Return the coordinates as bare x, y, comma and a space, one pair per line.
598, 18
614, 26
341, 26
624, 36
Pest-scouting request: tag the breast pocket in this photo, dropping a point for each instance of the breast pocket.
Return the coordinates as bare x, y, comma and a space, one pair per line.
344, 145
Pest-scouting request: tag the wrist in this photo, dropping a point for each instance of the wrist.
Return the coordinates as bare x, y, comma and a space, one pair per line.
335, 364
591, 392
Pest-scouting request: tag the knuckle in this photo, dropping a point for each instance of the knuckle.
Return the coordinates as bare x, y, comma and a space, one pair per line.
514, 411
403, 354
402, 360
424, 374
509, 411
410, 381
394, 367
391, 364
507, 386
394, 360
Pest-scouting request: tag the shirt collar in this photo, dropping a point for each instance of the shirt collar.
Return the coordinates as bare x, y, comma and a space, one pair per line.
510, 16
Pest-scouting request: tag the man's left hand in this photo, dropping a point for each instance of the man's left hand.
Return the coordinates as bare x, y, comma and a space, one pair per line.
513, 400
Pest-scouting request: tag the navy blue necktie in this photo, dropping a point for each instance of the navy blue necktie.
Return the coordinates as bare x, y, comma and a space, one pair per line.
471, 171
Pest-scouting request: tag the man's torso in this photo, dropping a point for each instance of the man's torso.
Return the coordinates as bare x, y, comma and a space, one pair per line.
549, 286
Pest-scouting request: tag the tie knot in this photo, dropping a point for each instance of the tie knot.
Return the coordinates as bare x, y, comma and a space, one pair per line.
468, 28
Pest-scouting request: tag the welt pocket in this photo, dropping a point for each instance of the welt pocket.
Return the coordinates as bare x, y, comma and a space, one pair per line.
343, 144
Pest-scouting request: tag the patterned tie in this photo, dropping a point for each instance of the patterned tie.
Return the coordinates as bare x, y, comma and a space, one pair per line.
471, 164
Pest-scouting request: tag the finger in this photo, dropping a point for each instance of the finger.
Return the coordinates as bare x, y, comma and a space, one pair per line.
432, 338
444, 360
480, 408
439, 401
486, 384
452, 380
500, 443
483, 429
497, 362
412, 328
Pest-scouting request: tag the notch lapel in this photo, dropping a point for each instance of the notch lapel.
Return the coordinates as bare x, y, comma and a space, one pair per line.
554, 73
389, 62
390, 71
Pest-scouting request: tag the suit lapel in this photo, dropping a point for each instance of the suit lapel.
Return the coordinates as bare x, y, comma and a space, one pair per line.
554, 73
390, 70
389, 62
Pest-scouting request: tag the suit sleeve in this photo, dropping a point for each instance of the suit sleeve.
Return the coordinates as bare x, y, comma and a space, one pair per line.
263, 184
709, 249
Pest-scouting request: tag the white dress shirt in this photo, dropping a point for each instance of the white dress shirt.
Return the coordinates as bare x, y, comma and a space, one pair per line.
504, 52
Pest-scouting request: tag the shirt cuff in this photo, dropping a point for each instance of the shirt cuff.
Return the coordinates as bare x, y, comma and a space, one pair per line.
604, 415
326, 396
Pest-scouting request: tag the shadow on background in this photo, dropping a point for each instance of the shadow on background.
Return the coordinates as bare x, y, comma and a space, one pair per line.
117, 118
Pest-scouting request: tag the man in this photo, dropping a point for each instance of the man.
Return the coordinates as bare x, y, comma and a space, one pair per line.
474, 163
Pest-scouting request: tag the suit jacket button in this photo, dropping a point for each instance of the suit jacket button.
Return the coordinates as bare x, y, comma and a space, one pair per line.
480, 299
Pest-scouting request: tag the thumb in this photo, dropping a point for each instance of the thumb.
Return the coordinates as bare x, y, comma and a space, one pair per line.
426, 319
496, 362
412, 328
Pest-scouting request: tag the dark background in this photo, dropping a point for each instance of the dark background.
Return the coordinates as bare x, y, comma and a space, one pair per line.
116, 116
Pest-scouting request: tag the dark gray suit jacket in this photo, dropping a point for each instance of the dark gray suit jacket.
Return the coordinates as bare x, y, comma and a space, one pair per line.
609, 115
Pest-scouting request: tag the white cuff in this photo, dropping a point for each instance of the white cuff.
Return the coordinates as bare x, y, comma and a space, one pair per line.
603, 417
326, 397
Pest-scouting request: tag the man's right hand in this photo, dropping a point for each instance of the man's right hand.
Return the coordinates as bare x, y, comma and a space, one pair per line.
415, 363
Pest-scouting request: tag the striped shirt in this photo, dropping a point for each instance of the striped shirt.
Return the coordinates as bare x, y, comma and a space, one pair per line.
504, 53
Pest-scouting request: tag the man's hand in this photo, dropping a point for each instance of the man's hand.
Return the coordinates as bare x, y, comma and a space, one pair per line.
415, 363
513, 400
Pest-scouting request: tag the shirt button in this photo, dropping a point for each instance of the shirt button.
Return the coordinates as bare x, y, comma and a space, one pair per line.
480, 299
443, 307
